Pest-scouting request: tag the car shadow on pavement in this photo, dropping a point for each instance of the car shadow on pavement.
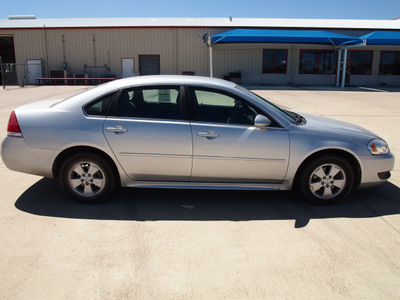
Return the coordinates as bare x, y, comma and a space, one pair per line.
45, 198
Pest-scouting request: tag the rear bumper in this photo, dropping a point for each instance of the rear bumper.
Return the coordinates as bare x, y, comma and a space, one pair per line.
17, 156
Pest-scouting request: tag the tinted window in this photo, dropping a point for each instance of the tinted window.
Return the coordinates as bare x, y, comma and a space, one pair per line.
361, 62
389, 63
100, 106
274, 61
215, 106
317, 62
157, 102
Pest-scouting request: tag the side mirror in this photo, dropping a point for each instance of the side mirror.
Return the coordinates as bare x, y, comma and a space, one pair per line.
262, 122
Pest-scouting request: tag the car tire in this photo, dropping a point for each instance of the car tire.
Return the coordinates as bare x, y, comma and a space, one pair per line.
88, 178
326, 180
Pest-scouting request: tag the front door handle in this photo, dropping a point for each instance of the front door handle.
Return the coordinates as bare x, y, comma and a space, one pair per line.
209, 134
117, 129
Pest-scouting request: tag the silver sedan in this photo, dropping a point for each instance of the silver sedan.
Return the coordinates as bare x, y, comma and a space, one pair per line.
189, 132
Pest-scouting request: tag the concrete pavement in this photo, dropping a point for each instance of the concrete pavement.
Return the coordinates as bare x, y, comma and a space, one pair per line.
176, 244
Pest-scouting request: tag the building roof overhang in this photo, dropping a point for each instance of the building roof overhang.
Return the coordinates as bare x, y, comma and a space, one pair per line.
382, 38
285, 36
200, 22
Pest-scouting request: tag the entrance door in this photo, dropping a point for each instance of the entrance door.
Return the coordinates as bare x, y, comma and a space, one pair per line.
149, 64
128, 67
34, 70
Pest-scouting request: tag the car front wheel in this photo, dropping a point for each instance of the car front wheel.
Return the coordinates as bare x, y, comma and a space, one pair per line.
87, 177
326, 180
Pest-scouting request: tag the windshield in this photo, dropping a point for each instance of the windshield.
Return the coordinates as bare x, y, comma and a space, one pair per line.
284, 113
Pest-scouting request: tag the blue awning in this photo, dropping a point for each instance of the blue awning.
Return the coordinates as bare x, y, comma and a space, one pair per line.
284, 36
382, 38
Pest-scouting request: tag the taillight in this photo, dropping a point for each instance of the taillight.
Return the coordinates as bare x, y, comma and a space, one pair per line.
13, 126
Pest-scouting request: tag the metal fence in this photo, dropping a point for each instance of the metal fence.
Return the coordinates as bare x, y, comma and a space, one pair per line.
12, 74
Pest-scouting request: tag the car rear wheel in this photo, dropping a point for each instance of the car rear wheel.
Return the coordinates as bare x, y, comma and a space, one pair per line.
326, 180
88, 178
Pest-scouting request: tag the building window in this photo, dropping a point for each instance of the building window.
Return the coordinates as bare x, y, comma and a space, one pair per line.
317, 62
389, 63
274, 61
360, 62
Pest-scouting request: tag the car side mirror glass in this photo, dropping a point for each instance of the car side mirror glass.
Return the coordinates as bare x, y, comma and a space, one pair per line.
262, 122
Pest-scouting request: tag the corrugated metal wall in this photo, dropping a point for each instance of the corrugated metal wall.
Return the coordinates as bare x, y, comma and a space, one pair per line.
95, 47
180, 50
99, 47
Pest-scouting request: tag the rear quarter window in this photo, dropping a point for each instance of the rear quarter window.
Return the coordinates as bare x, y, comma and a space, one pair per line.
99, 107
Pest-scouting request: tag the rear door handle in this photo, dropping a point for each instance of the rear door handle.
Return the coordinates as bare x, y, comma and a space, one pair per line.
117, 129
209, 134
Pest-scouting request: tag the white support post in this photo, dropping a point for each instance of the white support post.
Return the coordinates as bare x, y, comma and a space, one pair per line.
211, 57
338, 68
344, 68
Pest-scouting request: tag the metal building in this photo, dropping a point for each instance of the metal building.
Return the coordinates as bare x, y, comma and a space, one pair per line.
120, 47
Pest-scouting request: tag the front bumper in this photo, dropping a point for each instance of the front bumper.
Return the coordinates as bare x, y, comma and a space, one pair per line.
375, 169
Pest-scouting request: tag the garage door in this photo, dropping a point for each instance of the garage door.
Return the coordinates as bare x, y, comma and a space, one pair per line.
149, 64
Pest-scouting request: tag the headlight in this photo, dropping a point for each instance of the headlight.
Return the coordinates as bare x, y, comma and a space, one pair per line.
378, 147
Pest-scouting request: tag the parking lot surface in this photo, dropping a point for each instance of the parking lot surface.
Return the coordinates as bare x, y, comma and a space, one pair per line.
182, 244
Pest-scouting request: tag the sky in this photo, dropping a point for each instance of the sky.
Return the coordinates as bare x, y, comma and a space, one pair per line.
309, 9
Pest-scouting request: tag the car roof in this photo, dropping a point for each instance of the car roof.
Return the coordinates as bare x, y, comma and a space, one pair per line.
170, 79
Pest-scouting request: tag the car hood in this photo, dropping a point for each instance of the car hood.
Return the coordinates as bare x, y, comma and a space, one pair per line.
327, 124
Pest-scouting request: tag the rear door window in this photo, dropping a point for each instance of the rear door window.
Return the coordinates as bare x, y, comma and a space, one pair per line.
150, 102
